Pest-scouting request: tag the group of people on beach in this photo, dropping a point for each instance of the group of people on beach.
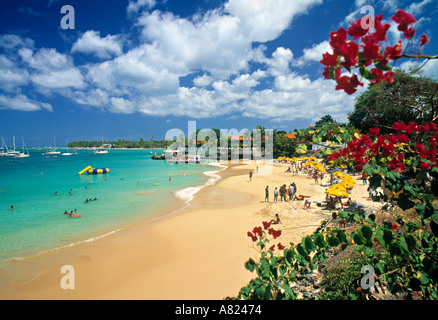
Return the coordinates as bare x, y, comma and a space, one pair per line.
294, 168
286, 193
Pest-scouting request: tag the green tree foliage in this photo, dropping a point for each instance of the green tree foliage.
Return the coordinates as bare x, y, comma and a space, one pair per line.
408, 98
151, 144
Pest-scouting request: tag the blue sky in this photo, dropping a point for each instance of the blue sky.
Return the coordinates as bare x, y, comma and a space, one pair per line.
137, 68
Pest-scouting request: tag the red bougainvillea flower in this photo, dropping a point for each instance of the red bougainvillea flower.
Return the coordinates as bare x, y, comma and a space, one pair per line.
348, 84
412, 126
280, 246
374, 132
371, 51
329, 59
409, 33
266, 225
258, 231
403, 19
423, 40
399, 126
381, 29
338, 40
395, 51
272, 248
424, 166
274, 233
425, 127
252, 236
388, 76
355, 29
394, 226
349, 52
402, 138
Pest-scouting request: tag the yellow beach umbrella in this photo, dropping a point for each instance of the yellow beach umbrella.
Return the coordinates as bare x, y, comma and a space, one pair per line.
319, 167
338, 187
337, 193
347, 184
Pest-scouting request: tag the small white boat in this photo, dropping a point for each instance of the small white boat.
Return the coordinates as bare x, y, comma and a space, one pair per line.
24, 154
101, 150
53, 151
2, 152
66, 154
12, 153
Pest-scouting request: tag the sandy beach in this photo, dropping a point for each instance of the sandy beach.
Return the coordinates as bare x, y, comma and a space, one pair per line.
197, 252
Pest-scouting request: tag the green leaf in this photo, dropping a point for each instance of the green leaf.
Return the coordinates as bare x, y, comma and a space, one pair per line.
288, 290
366, 73
379, 236
302, 148
370, 252
308, 243
379, 65
342, 236
250, 265
367, 232
319, 241
420, 207
411, 242
435, 217
393, 176
316, 139
387, 237
424, 279
369, 170
358, 238
333, 241
301, 250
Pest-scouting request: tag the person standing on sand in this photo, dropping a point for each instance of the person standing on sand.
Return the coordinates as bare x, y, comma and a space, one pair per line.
250, 175
364, 178
267, 194
275, 194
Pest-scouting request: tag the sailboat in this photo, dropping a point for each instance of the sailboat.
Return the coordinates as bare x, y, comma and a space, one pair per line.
3, 153
25, 153
54, 151
12, 153
65, 154
101, 150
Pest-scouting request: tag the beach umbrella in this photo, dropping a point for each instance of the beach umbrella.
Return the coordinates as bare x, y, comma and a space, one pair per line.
339, 174
337, 193
347, 184
338, 187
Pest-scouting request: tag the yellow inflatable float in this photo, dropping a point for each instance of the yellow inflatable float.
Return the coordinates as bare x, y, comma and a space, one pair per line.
91, 170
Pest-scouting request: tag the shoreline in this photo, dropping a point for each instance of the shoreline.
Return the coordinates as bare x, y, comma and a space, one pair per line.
193, 253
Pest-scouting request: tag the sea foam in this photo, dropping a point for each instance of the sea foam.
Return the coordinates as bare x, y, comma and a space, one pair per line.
187, 194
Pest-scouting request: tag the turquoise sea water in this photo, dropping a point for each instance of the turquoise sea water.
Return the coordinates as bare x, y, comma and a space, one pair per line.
126, 195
